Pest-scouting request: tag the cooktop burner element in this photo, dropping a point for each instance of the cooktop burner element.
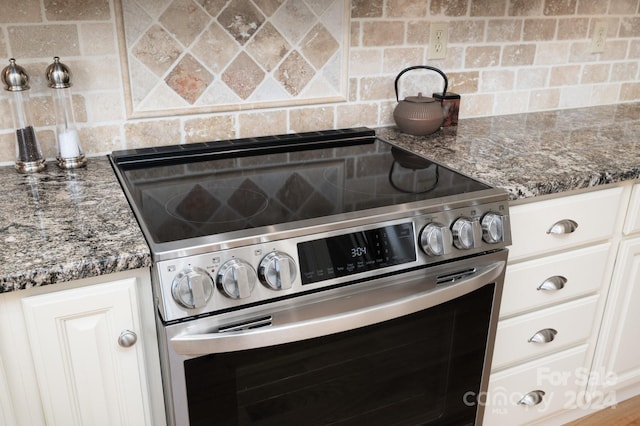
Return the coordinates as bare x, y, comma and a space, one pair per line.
185, 192
236, 223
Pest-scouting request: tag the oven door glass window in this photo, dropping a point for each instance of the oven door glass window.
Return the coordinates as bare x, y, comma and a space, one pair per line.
419, 369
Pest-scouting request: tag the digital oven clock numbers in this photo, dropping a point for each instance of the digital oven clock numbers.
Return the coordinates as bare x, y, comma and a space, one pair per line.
358, 251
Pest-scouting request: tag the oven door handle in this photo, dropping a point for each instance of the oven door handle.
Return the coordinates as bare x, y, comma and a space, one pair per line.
358, 308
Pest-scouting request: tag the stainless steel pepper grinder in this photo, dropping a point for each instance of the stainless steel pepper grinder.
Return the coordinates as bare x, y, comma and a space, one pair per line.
70, 155
28, 153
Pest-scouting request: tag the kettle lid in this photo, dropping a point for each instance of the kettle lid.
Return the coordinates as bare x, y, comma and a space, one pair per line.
419, 99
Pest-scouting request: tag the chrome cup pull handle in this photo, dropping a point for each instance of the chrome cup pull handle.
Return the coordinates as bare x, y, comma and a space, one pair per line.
554, 283
564, 226
543, 336
532, 398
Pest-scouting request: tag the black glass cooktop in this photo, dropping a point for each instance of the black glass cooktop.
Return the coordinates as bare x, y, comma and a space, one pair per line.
194, 190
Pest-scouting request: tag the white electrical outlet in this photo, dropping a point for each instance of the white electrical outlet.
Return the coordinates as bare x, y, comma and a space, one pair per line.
438, 38
599, 37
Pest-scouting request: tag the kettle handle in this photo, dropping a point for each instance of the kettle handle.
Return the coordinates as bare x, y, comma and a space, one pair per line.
426, 67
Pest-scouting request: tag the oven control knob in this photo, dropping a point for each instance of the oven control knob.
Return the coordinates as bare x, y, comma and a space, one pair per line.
493, 228
277, 271
466, 233
192, 288
236, 279
436, 239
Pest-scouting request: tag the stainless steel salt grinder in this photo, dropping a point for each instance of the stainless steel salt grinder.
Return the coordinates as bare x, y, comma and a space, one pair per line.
28, 153
70, 155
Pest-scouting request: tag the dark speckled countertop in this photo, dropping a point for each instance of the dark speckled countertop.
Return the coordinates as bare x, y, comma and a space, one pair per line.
540, 153
58, 226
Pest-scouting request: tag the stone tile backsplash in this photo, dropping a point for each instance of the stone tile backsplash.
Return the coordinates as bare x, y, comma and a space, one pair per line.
503, 56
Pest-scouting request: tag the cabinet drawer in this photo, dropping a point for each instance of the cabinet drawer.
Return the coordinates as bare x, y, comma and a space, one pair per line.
571, 321
529, 285
595, 214
560, 376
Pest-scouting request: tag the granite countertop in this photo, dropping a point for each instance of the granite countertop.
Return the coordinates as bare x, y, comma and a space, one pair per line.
63, 225
539, 153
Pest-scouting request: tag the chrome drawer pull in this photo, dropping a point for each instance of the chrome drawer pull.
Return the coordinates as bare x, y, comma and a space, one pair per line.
544, 336
554, 283
532, 398
564, 226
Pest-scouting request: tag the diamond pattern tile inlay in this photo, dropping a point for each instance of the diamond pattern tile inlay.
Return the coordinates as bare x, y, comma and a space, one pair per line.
262, 52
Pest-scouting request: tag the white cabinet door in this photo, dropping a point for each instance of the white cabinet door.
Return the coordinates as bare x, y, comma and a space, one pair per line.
6, 409
619, 346
85, 377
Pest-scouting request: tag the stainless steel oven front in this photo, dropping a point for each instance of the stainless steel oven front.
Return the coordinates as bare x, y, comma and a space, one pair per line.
324, 278
410, 346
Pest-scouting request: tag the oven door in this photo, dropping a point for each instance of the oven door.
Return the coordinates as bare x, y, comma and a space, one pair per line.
409, 349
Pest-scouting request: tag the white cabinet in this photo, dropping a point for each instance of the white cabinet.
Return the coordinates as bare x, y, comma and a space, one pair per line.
7, 417
556, 284
618, 357
70, 365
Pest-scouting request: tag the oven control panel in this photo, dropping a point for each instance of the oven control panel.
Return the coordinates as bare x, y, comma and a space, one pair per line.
230, 279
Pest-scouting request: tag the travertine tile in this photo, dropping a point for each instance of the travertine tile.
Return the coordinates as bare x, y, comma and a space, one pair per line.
268, 122
449, 7
268, 47
268, 7
405, 9
466, 31
104, 139
555, 7
76, 10
243, 75
544, 99
157, 50
241, 19
365, 61
366, 8
624, 71
482, 56
504, 30
184, 20
539, 29
376, 88
189, 79
595, 73
21, 12
294, 73
565, 75
140, 134
418, 32
41, 40
7, 148
531, 78
318, 46
311, 119
525, 7
97, 39
592, 7
356, 115
219, 127
463, 82
487, 8
630, 27
395, 60
518, 55
496, 80
388, 33
572, 28
104, 107
215, 48
623, 7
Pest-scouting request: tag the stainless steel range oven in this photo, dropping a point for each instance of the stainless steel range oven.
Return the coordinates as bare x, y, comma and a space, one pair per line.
323, 278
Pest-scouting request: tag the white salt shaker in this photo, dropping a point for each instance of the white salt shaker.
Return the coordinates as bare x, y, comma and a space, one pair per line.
70, 155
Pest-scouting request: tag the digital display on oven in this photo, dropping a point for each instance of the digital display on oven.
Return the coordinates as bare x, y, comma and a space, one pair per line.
356, 252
